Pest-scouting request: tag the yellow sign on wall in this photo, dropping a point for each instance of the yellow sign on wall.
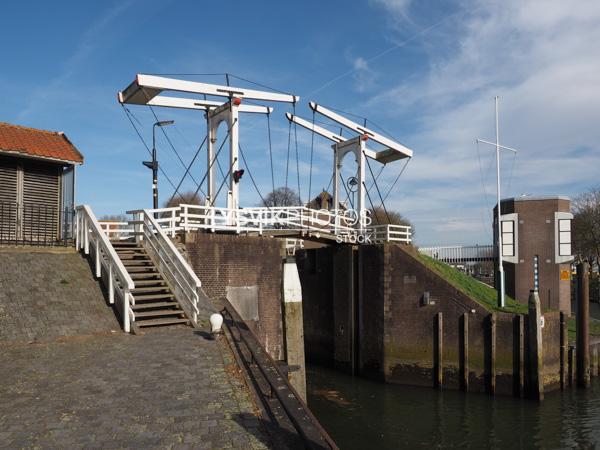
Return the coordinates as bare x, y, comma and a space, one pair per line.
565, 275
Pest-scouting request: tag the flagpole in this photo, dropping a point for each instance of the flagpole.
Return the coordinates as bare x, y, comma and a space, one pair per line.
500, 285
501, 288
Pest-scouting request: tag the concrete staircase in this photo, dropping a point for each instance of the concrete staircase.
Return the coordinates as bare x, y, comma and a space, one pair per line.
155, 305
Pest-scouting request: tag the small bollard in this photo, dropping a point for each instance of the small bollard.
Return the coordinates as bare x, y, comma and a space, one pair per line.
216, 322
536, 362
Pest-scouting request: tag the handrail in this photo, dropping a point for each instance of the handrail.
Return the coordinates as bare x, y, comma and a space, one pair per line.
304, 422
116, 278
186, 285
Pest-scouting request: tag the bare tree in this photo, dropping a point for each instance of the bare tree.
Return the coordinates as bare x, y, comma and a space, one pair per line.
586, 225
282, 196
186, 198
379, 217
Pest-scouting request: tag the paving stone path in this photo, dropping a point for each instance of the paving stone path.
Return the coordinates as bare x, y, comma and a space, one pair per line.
166, 389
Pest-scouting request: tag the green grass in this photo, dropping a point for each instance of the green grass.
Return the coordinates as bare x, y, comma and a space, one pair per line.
594, 328
478, 291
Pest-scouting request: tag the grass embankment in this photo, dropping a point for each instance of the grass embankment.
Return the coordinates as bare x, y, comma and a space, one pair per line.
594, 328
478, 291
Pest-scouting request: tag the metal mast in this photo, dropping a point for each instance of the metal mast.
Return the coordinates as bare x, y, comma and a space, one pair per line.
501, 289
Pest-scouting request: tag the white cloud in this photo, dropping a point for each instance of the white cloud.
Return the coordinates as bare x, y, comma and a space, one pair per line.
364, 77
543, 59
360, 64
396, 7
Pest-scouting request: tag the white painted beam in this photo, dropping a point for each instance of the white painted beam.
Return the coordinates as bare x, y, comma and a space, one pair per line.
377, 156
191, 103
393, 145
317, 129
146, 87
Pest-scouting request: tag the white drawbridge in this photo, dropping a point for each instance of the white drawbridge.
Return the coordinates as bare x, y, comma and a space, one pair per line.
338, 223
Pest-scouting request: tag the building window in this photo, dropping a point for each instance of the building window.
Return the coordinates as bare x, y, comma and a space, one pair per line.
564, 237
508, 238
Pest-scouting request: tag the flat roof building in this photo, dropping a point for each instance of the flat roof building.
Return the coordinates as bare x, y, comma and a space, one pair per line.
537, 229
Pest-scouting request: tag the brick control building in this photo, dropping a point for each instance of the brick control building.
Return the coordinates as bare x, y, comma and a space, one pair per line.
537, 226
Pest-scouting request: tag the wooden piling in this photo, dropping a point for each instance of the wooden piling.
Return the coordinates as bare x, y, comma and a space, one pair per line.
571, 365
583, 325
564, 346
438, 371
519, 378
492, 375
464, 352
594, 361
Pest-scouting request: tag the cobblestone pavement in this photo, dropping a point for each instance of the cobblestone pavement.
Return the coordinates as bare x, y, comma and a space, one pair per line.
46, 295
165, 389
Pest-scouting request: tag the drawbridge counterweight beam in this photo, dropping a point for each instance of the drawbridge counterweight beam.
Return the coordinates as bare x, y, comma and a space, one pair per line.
203, 105
146, 87
400, 150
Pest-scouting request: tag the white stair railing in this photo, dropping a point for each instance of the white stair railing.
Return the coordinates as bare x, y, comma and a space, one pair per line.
107, 264
179, 274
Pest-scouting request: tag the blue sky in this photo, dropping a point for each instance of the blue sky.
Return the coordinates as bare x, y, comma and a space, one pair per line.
424, 71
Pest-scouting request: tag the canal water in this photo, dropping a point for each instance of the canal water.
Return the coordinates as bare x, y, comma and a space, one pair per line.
363, 414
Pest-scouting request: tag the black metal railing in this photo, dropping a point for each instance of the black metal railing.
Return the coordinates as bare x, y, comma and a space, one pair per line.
35, 224
270, 383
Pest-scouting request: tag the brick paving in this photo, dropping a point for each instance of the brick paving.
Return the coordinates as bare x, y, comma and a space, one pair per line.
47, 295
169, 388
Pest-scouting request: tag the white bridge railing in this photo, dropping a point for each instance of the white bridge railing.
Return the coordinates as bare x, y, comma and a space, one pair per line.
457, 254
117, 230
107, 264
391, 233
178, 273
261, 219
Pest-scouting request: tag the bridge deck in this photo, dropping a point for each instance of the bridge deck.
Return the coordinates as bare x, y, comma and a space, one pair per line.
295, 222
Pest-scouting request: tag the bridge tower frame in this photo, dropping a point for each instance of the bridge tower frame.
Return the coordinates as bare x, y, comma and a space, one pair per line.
147, 90
229, 113
357, 146
392, 151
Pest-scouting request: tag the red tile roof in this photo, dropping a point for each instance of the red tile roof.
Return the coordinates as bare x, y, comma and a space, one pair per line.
37, 143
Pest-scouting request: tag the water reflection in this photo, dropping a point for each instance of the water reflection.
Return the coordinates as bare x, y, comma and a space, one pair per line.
365, 414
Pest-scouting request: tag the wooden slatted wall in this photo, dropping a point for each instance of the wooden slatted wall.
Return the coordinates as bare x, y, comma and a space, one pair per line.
41, 201
8, 198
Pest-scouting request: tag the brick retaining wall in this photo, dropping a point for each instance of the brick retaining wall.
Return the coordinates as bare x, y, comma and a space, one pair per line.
396, 334
223, 261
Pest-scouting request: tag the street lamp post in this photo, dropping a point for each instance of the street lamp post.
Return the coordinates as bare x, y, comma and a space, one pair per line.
154, 163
